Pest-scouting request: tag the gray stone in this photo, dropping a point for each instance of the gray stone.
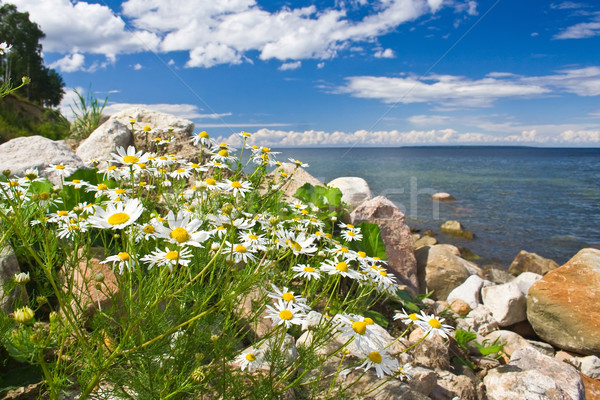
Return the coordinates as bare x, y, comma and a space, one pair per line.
433, 352
480, 321
422, 380
525, 280
507, 303
292, 177
9, 266
23, 153
589, 366
355, 191
104, 141
425, 241
456, 386
469, 291
531, 262
395, 234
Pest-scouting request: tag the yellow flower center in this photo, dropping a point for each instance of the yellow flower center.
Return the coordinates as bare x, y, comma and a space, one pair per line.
240, 248
293, 245
130, 159
146, 128
236, 184
309, 269
203, 134
252, 236
368, 321
383, 272
180, 235
60, 166
210, 181
413, 317
265, 149
435, 324
44, 196
342, 266
288, 296
375, 357
102, 186
76, 181
250, 357
359, 327
111, 168
172, 255
223, 145
223, 153
195, 166
351, 234
120, 191
118, 218
149, 229
124, 256
350, 226
62, 213
286, 315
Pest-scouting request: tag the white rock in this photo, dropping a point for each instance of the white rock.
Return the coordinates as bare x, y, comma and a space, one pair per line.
590, 366
469, 292
507, 303
479, 320
105, 140
22, 153
525, 280
354, 190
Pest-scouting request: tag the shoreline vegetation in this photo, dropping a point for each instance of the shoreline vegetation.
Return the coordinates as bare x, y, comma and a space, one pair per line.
150, 263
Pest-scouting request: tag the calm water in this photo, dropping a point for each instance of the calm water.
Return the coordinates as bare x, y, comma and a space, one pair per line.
541, 200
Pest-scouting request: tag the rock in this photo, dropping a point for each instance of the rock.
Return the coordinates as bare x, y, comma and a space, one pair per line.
182, 131
589, 366
532, 375
460, 307
531, 262
395, 235
455, 386
455, 228
299, 178
433, 352
425, 241
515, 342
525, 280
442, 197
287, 347
93, 285
105, 140
469, 291
370, 387
441, 270
422, 380
592, 387
9, 266
247, 309
22, 153
355, 191
507, 303
497, 275
480, 321
562, 306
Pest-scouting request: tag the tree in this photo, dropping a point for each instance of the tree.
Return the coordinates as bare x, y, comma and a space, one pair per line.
25, 58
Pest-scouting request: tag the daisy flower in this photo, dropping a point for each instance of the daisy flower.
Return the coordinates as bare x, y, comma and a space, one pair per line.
298, 242
60, 169
168, 258
335, 267
116, 216
181, 173
406, 318
250, 359
4, 48
236, 187
383, 363
250, 239
100, 189
361, 330
239, 252
182, 230
298, 163
287, 296
305, 271
122, 260
434, 325
352, 235
202, 138
129, 157
286, 313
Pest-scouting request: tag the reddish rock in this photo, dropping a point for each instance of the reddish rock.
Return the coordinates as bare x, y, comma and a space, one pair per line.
395, 235
531, 262
592, 387
562, 307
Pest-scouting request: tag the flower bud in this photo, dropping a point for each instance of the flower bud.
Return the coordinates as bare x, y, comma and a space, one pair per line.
24, 315
22, 278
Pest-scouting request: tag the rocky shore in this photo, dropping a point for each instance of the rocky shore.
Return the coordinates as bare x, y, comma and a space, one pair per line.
543, 316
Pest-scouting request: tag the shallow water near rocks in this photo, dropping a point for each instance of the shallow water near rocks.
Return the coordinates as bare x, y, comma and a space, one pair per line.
543, 200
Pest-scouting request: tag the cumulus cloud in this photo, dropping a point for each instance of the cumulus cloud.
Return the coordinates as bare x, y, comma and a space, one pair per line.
387, 53
70, 63
219, 32
582, 30
137, 67
188, 111
290, 66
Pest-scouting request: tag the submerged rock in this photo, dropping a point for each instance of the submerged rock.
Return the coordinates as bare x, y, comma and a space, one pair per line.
455, 228
562, 307
443, 197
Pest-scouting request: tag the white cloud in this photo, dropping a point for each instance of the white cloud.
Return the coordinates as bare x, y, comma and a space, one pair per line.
580, 31
70, 63
219, 32
567, 5
311, 138
69, 100
580, 81
188, 111
387, 53
320, 65
290, 66
137, 67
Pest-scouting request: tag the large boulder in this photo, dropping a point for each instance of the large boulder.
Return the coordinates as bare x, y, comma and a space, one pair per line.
440, 269
532, 375
23, 153
163, 125
395, 234
293, 177
531, 262
355, 191
562, 307
105, 140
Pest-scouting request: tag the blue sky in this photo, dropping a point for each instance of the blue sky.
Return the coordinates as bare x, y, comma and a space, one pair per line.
341, 72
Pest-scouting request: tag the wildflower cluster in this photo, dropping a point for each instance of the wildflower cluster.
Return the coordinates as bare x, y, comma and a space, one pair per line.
189, 242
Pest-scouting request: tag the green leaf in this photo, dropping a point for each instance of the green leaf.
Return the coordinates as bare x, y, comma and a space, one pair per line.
377, 317
494, 348
464, 337
371, 243
320, 196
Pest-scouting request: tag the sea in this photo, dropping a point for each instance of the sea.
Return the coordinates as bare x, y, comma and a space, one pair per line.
542, 200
